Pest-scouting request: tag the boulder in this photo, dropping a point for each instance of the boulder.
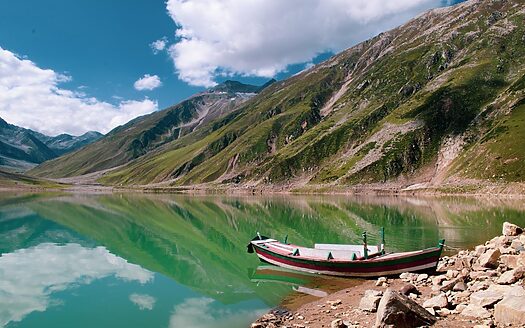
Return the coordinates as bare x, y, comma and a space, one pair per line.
370, 300
510, 229
517, 245
422, 277
436, 302
510, 311
460, 286
510, 261
475, 311
448, 285
437, 280
511, 276
480, 249
490, 259
486, 298
477, 286
409, 289
400, 311
381, 280
495, 293
338, 323
408, 276
452, 274
461, 307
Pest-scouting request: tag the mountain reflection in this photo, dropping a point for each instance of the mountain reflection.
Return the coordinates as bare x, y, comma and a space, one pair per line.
199, 242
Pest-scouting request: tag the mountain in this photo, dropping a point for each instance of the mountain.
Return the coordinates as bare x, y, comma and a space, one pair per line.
65, 143
438, 101
22, 149
147, 133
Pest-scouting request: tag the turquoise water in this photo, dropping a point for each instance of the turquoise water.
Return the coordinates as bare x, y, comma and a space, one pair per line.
180, 261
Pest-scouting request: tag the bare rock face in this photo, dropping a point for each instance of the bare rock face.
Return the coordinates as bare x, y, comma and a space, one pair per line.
490, 259
510, 229
397, 310
370, 300
510, 311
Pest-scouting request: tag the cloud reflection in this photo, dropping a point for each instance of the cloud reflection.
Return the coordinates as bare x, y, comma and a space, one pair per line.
143, 301
29, 276
199, 312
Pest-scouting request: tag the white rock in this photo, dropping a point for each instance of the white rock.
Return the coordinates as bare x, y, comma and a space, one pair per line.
475, 311
437, 280
422, 277
494, 294
452, 274
510, 311
511, 276
380, 281
461, 307
510, 229
480, 249
436, 302
370, 300
490, 258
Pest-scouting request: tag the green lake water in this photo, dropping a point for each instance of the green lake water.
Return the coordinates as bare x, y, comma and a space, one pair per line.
131, 260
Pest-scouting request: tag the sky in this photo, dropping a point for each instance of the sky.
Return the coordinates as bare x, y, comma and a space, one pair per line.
72, 66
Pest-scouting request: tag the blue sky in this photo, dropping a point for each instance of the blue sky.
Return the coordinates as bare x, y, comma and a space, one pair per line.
98, 49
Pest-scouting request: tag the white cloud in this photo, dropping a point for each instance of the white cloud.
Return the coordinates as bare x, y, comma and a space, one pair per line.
143, 301
29, 277
263, 37
201, 313
31, 97
159, 45
147, 82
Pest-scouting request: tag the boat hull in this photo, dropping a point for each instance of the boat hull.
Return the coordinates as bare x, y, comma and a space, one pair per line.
379, 266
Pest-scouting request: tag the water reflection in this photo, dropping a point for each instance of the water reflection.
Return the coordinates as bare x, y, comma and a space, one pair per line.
199, 243
29, 277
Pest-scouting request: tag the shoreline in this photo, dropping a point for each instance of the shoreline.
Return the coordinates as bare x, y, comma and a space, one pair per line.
484, 287
515, 191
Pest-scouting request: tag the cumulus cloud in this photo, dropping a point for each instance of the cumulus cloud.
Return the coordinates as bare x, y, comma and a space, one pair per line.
29, 277
31, 97
159, 45
263, 37
147, 82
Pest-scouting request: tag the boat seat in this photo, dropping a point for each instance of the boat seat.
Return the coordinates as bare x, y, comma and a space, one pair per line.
350, 248
323, 254
263, 241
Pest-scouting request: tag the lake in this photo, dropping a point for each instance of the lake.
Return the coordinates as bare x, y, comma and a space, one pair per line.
134, 260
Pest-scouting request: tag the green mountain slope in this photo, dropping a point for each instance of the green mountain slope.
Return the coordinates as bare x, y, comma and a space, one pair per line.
414, 106
146, 133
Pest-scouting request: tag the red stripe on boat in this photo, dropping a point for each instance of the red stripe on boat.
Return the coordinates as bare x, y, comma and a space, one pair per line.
381, 268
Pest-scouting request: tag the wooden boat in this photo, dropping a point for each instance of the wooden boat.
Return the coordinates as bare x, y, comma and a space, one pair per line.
344, 260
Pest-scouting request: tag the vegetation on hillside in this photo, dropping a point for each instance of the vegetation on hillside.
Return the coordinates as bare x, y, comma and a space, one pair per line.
415, 104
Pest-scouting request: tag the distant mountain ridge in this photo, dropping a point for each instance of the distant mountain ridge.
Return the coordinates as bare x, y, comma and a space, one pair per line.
22, 149
436, 102
150, 132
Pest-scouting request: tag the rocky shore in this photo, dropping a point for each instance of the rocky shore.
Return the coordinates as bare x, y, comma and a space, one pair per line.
483, 287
